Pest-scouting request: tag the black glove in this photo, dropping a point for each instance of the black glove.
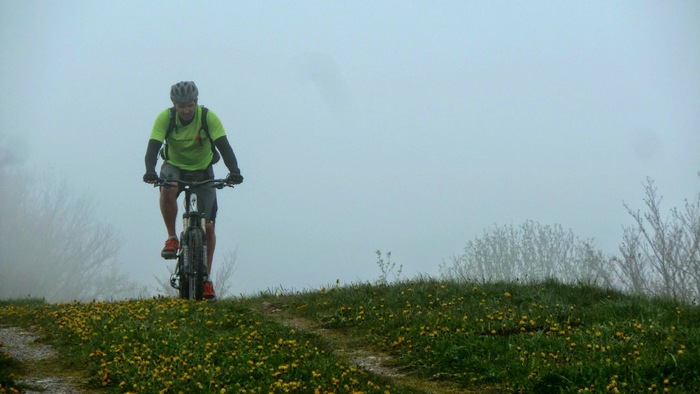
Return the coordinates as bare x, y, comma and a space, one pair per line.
150, 177
234, 179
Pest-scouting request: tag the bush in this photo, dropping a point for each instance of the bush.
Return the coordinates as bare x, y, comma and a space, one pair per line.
661, 256
531, 252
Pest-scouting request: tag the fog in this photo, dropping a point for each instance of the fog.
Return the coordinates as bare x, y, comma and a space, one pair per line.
405, 127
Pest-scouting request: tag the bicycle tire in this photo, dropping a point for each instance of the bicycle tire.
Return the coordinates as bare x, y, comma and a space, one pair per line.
186, 289
198, 264
183, 284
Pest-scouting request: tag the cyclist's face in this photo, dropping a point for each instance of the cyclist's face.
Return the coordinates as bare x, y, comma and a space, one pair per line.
186, 110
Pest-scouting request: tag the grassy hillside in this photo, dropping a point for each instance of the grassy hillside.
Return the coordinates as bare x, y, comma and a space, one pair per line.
410, 337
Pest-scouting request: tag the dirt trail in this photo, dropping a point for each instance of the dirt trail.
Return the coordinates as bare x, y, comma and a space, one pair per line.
39, 362
354, 349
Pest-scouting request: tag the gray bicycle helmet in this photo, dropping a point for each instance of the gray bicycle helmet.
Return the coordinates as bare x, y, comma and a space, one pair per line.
183, 92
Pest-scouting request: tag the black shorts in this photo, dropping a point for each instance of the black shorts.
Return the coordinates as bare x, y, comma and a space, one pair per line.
207, 195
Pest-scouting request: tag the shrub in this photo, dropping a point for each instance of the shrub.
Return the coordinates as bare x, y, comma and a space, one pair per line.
530, 252
661, 256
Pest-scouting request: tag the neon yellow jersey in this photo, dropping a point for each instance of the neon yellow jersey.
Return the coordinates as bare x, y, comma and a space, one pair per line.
188, 146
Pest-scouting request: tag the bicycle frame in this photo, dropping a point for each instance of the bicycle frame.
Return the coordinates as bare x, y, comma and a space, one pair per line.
191, 270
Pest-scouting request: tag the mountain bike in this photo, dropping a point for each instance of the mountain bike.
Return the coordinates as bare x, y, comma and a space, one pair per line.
191, 269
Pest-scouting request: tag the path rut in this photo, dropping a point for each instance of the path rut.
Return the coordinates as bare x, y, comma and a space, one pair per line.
21, 344
351, 349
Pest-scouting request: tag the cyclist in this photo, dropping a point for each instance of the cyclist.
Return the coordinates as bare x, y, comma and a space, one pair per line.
188, 154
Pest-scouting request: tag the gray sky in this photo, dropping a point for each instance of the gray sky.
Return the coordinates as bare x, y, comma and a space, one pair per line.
405, 126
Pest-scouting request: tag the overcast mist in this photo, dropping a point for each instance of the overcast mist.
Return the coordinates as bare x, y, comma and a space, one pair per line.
408, 127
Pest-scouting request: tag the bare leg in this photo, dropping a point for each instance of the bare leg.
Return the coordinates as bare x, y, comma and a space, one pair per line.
211, 244
168, 207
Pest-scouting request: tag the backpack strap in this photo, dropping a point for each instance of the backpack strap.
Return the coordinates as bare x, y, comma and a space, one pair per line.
171, 125
168, 131
205, 127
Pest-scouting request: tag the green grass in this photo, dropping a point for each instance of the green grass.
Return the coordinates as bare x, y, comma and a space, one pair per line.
9, 369
500, 337
544, 337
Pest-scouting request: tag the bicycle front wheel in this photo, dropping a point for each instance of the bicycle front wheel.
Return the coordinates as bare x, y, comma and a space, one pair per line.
198, 265
181, 273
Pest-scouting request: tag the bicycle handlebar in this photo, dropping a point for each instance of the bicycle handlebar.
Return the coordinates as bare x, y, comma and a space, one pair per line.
217, 183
